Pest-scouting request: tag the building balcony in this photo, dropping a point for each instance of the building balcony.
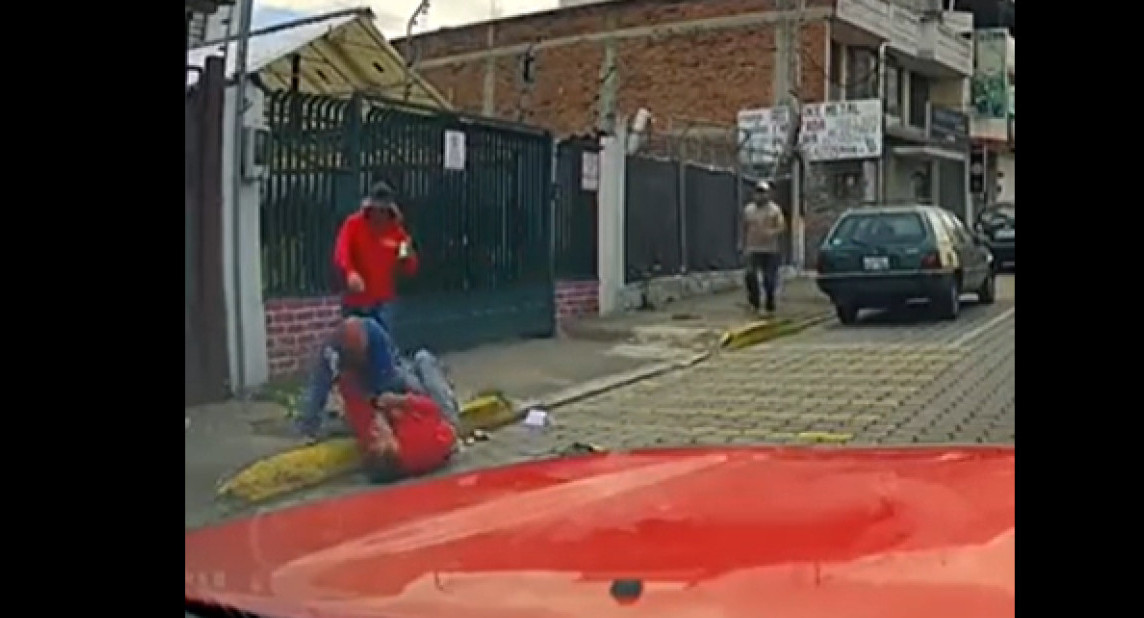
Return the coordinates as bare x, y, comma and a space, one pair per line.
925, 37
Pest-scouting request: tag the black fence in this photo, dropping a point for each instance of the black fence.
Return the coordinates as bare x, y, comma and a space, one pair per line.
679, 218
481, 220
577, 187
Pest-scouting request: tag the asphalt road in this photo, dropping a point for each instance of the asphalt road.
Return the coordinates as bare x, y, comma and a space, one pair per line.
891, 379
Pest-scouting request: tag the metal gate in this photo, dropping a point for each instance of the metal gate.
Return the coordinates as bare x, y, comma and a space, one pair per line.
483, 232
577, 190
205, 360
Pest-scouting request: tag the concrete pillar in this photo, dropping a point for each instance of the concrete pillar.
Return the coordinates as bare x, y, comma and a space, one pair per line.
610, 220
253, 314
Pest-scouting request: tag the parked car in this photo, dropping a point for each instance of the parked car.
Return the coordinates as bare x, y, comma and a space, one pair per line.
997, 223
886, 256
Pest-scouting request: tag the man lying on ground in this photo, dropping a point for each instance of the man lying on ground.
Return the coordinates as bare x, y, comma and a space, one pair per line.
376, 389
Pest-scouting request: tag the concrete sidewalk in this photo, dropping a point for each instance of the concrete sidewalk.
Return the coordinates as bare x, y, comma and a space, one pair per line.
223, 438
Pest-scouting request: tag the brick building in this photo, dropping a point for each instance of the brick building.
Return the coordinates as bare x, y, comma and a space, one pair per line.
597, 62
586, 67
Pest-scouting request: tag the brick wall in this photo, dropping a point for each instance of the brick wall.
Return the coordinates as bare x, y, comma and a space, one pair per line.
294, 328
577, 298
708, 72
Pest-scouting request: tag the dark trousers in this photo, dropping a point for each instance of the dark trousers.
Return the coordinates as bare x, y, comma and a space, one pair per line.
768, 264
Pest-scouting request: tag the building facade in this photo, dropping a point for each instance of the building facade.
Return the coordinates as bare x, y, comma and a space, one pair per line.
585, 68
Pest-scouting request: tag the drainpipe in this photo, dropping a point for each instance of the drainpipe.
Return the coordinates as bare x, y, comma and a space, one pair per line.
882, 97
236, 191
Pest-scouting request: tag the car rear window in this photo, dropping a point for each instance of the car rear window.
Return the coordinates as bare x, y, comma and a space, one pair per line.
881, 228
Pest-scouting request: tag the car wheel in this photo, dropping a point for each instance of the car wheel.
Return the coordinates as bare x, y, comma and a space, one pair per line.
948, 305
988, 291
847, 313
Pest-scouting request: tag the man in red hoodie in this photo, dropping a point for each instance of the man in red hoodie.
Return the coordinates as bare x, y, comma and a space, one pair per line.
372, 245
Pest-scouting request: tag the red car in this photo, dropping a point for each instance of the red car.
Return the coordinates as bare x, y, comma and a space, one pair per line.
751, 532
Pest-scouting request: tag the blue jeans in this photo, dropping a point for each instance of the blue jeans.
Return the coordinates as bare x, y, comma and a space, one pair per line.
384, 314
424, 374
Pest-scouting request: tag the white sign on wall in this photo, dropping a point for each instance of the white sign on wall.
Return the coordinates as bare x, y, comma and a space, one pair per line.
762, 134
455, 150
590, 171
830, 131
842, 130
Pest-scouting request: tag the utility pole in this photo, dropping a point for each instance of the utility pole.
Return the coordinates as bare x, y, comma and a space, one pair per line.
244, 11
785, 85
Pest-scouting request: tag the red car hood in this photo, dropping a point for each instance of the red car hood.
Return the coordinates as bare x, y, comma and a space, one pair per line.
781, 533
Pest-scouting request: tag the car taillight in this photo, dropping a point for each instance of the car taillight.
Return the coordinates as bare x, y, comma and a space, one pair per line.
931, 260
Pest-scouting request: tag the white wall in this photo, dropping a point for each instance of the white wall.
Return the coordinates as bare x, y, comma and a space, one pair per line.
1007, 178
251, 312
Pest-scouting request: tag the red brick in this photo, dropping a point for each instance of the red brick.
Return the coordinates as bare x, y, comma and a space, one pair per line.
696, 76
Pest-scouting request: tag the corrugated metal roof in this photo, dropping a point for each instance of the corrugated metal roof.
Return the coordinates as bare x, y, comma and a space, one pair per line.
340, 53
262, 49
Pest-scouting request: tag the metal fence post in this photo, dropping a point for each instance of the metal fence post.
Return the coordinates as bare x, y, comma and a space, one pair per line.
684, 267
553, 197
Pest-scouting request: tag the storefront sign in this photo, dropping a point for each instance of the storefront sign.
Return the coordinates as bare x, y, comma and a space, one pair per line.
990, 79
949, 127
762, 134
830, 132
842, 130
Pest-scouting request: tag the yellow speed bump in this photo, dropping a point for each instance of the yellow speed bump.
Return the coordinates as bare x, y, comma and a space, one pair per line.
824, 437
307, 466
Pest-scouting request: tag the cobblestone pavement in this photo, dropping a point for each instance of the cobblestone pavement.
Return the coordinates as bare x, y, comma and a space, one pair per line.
891, 379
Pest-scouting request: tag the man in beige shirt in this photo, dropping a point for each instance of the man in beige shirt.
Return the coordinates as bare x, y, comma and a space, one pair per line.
763, 225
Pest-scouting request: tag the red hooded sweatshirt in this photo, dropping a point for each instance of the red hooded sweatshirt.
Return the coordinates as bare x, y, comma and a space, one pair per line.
373, 255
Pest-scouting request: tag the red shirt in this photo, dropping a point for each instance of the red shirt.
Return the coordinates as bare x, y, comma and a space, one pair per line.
425, 438
372, 253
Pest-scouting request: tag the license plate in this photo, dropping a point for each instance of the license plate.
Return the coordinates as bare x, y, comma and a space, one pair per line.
876, 263
1006, 234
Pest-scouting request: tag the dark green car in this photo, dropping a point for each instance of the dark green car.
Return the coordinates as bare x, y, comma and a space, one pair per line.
885, 256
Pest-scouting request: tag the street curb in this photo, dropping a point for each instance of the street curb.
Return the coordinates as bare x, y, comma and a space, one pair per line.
306, 466
766, 330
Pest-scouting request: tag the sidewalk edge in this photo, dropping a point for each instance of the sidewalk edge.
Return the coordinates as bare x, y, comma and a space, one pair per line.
307, 466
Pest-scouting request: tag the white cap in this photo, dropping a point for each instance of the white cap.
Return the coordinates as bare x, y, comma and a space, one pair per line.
763, 185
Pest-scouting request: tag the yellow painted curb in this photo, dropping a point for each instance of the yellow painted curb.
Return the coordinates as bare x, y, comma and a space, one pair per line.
824, 437
292, 470
763, 331
749, 334
303, 467
486, 412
